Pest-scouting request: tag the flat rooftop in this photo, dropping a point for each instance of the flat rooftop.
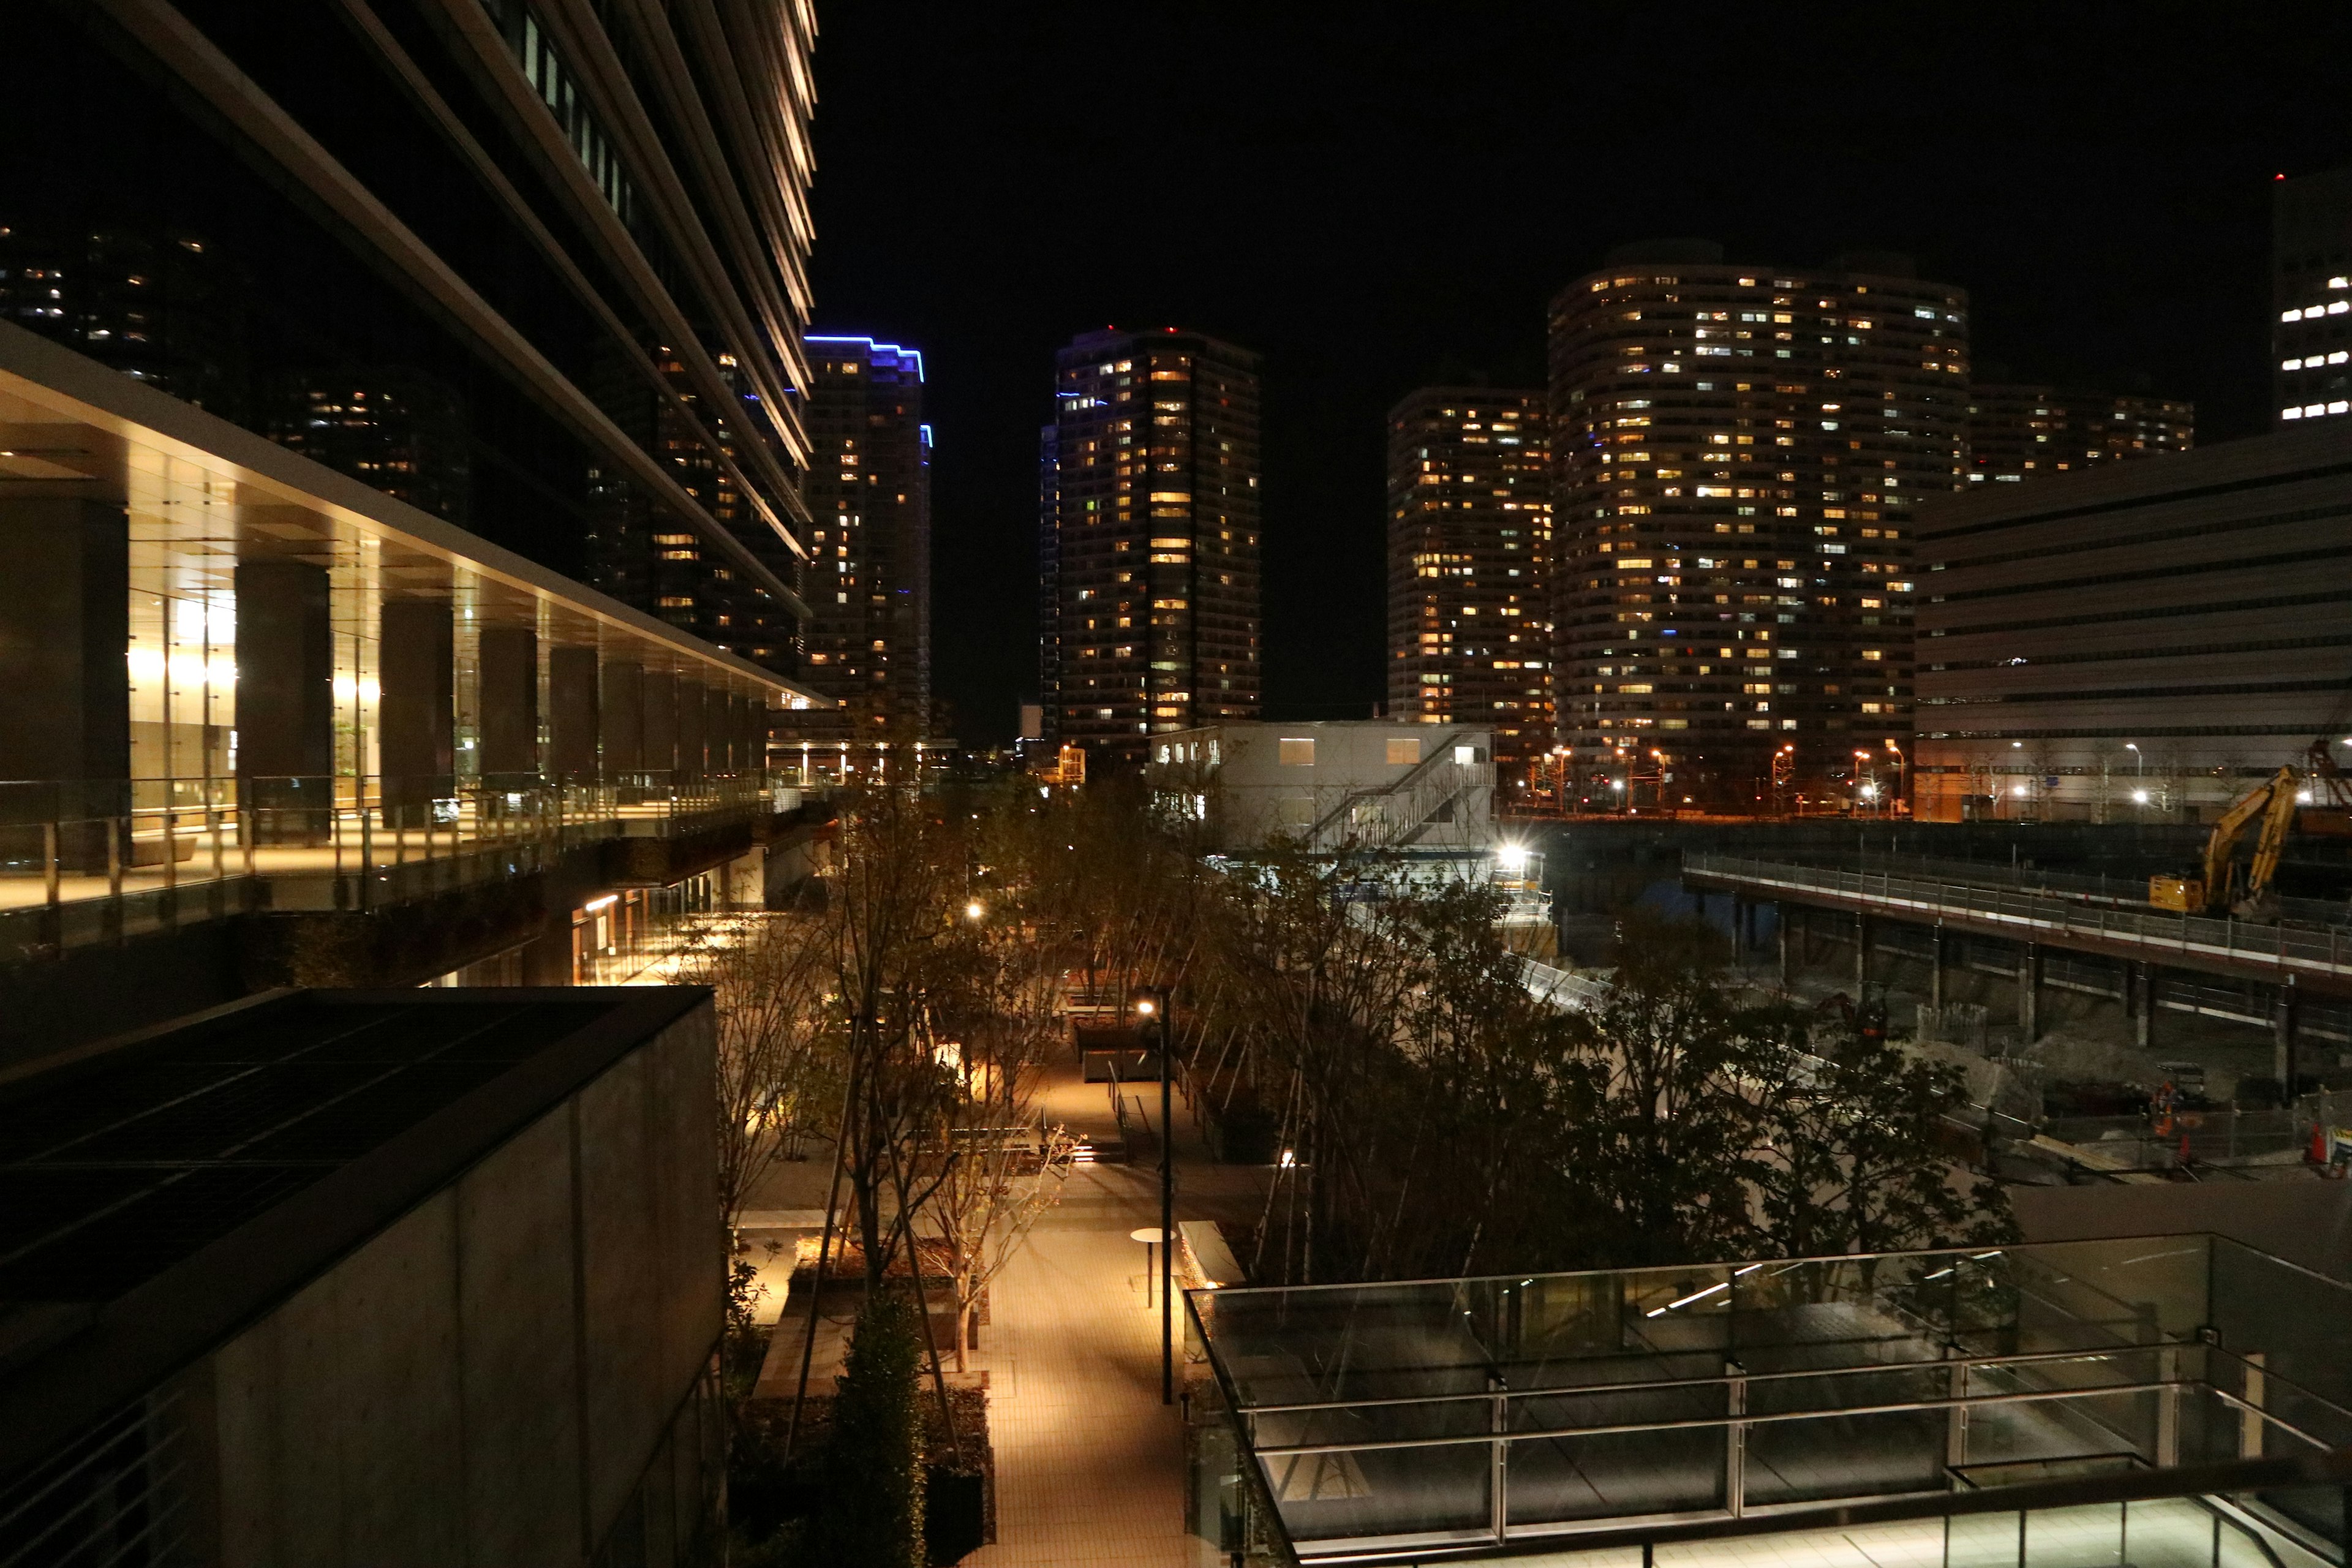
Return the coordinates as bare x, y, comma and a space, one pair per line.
161, 1190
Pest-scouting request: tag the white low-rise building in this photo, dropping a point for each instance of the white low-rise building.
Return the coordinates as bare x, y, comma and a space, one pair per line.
1356, 783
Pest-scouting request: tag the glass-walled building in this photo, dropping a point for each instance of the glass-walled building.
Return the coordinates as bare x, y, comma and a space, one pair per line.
2178, 1401
537, 270
260, 722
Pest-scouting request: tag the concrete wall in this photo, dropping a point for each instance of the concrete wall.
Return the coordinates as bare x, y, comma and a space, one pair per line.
489, 1381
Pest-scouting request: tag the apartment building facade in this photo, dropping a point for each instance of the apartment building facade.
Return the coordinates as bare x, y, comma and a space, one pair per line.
1149, 529
1469, 542
1736, 455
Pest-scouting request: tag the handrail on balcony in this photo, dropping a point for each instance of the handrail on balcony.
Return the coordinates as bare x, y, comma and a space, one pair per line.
93, 863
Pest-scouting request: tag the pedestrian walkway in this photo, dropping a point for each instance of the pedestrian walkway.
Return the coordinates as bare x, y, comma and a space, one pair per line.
1089, 1461
1089, 1464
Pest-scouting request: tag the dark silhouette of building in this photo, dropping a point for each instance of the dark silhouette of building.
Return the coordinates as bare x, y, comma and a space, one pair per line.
868, 642
1151, 525
2019, 432
401, 432
1469, 541
164, 307
1736, 454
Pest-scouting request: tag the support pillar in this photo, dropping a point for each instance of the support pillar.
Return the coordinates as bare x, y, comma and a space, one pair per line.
622, 720
2285, 1044
727, 732
285, 701
572, 715
1784, 924
64, 707
416, 715
661, 727
1739, 928
693, 729
2028, 992
756, 721
1861, 955
1936, 966
509, 708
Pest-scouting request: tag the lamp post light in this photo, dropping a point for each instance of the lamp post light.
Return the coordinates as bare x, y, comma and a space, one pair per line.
1154, 1005
1902, 774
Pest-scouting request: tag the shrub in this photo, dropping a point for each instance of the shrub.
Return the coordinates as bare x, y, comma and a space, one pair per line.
870, 1514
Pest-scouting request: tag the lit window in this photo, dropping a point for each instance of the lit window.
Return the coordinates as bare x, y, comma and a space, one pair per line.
1297, 753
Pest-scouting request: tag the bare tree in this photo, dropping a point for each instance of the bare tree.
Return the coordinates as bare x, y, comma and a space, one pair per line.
779, 1076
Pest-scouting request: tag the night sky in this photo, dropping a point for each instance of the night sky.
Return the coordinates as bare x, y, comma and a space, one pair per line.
1377, 198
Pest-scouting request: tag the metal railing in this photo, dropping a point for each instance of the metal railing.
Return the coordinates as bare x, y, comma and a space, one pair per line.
2040, 916
80, 867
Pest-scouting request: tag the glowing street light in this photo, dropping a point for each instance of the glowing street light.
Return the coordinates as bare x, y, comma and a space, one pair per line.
974, 910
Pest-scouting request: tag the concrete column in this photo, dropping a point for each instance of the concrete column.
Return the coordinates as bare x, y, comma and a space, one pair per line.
2141, 978
2028, 992
510, 706
661, 724
1935, 967
1785, 922
284, 701
2285, 1052
693, 728
65, 707
725, 726
623, 695
1739, 928
415, 716
572, 714
1861, 953
755, 732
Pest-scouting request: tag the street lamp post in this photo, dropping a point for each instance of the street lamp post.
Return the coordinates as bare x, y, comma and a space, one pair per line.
1154, 1004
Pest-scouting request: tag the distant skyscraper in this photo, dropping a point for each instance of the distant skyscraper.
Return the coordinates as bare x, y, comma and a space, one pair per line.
1049, 587
2310, 295
868, 586
1735, 453
2018, 433
1151, 523
1469, 534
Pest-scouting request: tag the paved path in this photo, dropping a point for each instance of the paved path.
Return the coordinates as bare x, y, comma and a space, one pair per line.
1089, 1461
1089, 1464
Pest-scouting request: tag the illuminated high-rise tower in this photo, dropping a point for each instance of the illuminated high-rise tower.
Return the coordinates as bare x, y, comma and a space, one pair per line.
1736, 454
1149, 513
866, 643
1469, 535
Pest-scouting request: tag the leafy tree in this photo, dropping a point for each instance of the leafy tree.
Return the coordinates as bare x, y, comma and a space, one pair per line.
1852, 1159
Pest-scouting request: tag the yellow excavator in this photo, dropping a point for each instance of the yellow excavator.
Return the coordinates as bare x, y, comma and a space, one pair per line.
2215, 892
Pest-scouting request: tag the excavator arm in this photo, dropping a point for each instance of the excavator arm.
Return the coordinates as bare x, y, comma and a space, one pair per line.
2278, 821
2274, 802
